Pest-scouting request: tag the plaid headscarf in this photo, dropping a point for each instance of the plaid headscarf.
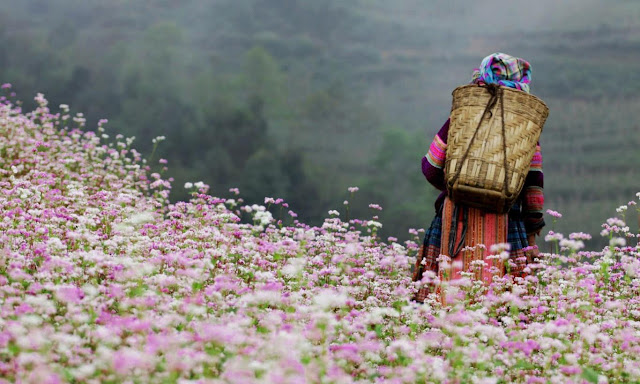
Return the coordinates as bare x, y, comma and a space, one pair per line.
503, 69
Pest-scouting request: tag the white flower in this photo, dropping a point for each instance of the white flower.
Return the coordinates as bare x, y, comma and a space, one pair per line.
84, 371
142, 218
55, 243
188, 185
263, 217
328, 299
294, 267
572, 244
617, 242
373, 223
553, 236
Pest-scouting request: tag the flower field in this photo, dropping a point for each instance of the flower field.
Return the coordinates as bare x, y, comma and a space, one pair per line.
102, 280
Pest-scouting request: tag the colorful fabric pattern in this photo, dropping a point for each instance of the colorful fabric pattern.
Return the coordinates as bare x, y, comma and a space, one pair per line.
482, 228
437, 152
431, 244
532, 206
536, 161
500, 68
427, 259
517, 239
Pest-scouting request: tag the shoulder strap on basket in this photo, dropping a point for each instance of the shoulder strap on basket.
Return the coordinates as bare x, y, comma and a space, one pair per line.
496, 93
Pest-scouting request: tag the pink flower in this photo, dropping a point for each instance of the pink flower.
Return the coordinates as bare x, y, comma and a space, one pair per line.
554, 213
69, 294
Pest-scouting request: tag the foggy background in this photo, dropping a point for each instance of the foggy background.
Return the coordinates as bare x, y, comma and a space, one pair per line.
303, 99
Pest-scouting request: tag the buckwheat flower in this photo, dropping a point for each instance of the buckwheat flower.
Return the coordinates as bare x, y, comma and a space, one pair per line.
55, 243
6, 86
497, 248
188, 185
580, 236
617, 242
328, 299
333, 212
552, 236
375, 206
235, 191
621, 209
69, 294
478, 263
574, 245
355, 189
263, 217
199, 184
90, 291
554, 213
84, 371
615, 222
294, 267
142, 218
346, 202
373, 223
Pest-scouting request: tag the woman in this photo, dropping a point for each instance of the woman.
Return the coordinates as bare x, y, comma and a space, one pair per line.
519, 227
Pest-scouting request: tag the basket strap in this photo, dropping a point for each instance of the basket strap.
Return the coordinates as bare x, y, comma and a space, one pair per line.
504, 145
496, 93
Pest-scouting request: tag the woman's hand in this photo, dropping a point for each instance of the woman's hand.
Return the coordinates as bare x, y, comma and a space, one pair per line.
533, 252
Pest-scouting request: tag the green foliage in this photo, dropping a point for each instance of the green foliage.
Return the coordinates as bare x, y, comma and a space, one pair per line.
291, 98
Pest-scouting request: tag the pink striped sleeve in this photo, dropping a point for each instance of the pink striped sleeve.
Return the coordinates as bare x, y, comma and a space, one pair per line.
536, 161
437, 153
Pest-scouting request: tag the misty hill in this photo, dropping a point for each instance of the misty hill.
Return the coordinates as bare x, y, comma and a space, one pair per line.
301, 99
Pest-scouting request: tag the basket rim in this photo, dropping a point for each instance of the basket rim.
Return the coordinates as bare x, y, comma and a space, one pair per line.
508, 89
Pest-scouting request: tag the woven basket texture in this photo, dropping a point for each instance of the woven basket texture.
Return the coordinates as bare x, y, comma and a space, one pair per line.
481, 182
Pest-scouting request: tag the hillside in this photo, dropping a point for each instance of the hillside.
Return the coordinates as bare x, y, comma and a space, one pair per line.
102, 280
279, 97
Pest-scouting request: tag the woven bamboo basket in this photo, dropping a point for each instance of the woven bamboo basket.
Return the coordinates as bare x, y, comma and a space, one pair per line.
475, 167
